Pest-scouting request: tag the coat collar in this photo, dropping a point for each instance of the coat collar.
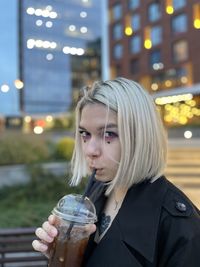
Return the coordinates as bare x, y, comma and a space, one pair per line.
139, 216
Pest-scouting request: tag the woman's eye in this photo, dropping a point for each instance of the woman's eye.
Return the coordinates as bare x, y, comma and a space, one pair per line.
84, 135
109, 136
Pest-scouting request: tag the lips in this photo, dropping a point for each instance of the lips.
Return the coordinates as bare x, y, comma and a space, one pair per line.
98, 170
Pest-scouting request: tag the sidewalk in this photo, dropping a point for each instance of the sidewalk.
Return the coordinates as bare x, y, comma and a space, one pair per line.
183, 142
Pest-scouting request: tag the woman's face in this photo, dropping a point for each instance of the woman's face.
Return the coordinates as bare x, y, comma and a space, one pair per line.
100, 142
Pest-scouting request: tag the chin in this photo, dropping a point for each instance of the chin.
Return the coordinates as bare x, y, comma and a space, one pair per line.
102, 178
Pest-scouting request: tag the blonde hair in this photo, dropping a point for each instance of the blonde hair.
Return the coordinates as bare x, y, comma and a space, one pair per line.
141, 132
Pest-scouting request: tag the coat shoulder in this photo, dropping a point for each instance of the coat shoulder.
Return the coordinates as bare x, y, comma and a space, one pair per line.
176, 203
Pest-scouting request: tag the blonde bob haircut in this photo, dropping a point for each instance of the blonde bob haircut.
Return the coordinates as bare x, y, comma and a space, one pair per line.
141, 132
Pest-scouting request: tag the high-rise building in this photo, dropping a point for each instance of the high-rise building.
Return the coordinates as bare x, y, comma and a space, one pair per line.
157, 43
60, 48
9, 98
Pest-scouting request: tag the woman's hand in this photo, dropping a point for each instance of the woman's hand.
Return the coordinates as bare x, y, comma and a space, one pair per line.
46, 235
48, 232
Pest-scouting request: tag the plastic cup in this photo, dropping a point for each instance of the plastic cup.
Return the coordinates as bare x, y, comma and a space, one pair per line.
72, 213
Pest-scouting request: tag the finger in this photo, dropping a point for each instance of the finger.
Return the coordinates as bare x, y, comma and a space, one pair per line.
90, 228
52, 219
39, 246
43, 235
50, 229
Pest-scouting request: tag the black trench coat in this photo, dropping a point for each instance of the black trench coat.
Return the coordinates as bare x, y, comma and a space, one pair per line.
157, 226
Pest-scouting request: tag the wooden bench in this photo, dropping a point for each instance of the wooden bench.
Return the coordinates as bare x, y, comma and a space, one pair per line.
16, 248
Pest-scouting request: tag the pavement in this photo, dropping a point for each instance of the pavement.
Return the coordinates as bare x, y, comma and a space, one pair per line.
183, 166
183, 142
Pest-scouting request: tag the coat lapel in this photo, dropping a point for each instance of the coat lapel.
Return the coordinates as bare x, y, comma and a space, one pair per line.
139, 216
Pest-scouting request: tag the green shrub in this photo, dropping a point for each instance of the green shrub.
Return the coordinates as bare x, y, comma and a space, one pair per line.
26, 205
22, 149
65, 148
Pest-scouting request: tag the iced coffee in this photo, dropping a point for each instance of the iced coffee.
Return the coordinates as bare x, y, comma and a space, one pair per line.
72, 214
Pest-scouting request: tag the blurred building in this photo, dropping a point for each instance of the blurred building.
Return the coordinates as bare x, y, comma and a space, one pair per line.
60, 44
9, 98
157, 43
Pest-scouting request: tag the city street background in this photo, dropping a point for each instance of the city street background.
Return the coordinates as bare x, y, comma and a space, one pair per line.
50, 49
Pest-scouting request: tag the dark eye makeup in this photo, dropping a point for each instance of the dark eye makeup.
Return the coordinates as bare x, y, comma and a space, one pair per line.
84, 134
108, 136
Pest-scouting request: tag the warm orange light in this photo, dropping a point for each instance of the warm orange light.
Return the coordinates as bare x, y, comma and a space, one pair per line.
147, 38
197, 23
19, 84
128, 31
40, 123
196, 16
169, 10
169, 7
128, 26
168, 83
148, 44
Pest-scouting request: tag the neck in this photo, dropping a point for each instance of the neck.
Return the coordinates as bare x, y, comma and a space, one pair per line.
118, 197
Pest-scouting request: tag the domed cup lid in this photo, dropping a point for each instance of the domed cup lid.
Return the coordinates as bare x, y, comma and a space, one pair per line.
74, 208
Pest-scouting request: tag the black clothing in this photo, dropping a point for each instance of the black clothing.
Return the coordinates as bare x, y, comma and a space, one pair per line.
157, 226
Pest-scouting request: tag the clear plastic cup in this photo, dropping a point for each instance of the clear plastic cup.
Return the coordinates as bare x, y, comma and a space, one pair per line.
72, 213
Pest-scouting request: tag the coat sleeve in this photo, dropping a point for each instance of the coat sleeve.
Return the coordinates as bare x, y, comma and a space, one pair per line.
187, 255
179, 232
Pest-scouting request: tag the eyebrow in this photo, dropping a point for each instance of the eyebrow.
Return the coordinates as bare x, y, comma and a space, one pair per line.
108, 126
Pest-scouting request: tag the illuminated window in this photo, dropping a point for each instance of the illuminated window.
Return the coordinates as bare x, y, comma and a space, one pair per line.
135, 44
135, 22
179, 23
118, 51
133, 4
117, 31
180, 51
178, 4
154, 12
117, 11
156, 35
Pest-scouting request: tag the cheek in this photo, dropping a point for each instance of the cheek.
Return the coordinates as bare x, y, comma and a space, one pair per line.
118, 153
112, 152
83, 145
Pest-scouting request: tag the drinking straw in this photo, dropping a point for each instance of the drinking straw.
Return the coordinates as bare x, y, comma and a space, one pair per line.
91, 179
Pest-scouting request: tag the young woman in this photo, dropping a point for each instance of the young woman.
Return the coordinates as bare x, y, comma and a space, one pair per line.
143, 219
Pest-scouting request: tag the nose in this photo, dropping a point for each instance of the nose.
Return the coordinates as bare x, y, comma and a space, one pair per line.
93, 148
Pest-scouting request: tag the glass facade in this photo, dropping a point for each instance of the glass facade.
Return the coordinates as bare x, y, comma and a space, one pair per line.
9, 94
154, 12
178, 4
135, 22
133, 4
54, 35
135, 44
179, 23
117, 12
156, 35
118, 51
117, 31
